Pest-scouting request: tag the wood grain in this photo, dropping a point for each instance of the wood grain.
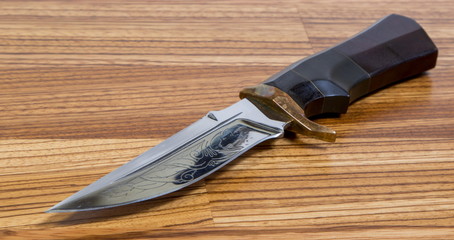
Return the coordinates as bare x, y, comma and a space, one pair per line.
85, 86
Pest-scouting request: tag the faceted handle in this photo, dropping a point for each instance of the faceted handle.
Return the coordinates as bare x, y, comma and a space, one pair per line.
394, 48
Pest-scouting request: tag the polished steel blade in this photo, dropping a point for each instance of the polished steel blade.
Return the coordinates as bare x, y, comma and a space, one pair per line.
183, 159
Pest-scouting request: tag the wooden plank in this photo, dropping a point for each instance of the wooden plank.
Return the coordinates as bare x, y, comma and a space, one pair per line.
145, 33
226, 233
86, 86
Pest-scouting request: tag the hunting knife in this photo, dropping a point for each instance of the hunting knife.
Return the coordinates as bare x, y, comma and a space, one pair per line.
393, 49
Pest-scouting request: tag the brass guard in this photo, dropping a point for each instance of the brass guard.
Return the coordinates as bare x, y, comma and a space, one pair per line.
279, 105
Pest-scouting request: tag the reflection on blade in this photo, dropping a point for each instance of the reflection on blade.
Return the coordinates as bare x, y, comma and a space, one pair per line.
181, 160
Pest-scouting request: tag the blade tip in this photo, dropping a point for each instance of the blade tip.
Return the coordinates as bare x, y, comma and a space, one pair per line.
54, 210
57, 209
51, 210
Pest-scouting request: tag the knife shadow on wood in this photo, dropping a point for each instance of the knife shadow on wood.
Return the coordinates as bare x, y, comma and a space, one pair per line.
391, 106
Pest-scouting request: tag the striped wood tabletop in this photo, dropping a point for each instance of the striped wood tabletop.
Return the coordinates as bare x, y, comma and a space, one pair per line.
87, 85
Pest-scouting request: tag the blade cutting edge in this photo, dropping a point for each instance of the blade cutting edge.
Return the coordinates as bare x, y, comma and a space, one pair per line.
183, 159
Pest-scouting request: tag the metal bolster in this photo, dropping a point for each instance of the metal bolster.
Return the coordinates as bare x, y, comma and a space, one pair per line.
278, 105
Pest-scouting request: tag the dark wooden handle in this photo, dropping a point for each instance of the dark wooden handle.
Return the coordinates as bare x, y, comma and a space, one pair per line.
394, 48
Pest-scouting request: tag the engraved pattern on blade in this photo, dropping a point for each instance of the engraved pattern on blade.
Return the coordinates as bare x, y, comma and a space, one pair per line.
192, 164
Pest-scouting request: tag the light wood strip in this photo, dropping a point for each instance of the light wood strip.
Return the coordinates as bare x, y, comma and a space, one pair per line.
86, 85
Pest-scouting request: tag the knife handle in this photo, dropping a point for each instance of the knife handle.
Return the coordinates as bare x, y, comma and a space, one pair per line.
394, 48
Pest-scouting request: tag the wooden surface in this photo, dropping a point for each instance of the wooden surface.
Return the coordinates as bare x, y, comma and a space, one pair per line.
87, 85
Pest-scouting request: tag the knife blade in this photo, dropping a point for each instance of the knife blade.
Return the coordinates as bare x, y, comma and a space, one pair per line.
392, 49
